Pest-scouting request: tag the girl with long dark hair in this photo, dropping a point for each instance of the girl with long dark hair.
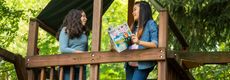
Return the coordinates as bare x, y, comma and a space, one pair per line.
145, 35
73, 38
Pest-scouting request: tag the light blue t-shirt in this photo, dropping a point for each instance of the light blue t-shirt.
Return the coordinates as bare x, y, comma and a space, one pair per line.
68, 45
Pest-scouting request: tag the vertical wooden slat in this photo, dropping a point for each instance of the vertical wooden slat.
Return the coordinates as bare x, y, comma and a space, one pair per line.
81, 72
96, 36
61, 73
130, 11
71, 72
32, 44
163, 32
52, 73
42, 74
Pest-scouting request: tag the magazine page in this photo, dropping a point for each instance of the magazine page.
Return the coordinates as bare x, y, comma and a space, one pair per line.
120, 36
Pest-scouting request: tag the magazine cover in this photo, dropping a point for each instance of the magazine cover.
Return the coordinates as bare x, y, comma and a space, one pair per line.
120, 36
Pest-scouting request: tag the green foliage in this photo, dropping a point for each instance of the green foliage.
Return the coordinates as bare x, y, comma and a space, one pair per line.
204, 23
205, 26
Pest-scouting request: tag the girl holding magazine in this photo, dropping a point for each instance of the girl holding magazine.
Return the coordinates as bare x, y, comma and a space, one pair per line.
145, 35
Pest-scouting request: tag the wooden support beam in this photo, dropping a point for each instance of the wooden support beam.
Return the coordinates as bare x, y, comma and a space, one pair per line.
163, 35
46, 27
130, 11
96, 36
7, 55
95, 58
195, 59
20, 67
32, 44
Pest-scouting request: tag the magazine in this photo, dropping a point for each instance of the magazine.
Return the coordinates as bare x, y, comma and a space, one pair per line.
120, 36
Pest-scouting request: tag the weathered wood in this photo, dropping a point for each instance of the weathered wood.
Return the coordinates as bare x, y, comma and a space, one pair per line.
32, 38
7, 55
42, 74
178, 72
52, 73
163, 35
81, 73
177, 33
32, 44
95, 57
61, 73
195, 59
45, 27
171, 24
96, 36
72, 73
20, 67
130, 11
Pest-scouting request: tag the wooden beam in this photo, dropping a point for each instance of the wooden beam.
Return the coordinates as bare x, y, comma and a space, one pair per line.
163, 35
17, 60
203, 57
20, 67
95, 57
177, 33
171, 24
130, 11
96, 36
7, 55
46, 27
32, 44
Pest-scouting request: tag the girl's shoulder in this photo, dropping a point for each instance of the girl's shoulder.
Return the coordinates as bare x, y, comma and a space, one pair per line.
151, 23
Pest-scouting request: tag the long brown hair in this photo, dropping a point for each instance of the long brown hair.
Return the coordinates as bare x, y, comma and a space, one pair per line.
145, 14
72, 22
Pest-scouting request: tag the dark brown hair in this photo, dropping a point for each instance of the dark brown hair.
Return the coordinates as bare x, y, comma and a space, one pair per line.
72, 22
145, 14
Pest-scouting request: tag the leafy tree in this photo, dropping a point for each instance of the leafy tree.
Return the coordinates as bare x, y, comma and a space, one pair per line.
205, 26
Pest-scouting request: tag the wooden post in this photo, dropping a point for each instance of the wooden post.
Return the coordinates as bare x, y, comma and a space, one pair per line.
130, 11
20, 68
42, 74
163, 33
52, 73
32, 44
96, 36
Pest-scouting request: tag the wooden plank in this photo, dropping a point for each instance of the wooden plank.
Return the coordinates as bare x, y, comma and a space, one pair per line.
203, 57
46, 28
42, 74
52, 73
94, 58
96, 36
81, 73
171, 24
32, 44
32, 38
61, 73
20, 67
163, 35
71, 72
7, 55
177, 33
130, 11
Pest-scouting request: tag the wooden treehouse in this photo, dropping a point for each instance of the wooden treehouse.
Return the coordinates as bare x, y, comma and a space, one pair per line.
172, 65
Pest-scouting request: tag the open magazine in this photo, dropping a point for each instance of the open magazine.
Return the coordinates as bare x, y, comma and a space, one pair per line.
120, 36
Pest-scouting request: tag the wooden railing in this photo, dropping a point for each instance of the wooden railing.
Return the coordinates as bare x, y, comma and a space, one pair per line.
95, 57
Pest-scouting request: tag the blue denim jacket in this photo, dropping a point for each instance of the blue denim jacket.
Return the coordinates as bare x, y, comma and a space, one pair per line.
150, 34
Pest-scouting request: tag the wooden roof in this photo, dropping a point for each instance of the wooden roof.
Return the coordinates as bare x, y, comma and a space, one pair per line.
52, 15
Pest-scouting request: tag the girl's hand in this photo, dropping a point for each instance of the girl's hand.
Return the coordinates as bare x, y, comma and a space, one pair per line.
135, 39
